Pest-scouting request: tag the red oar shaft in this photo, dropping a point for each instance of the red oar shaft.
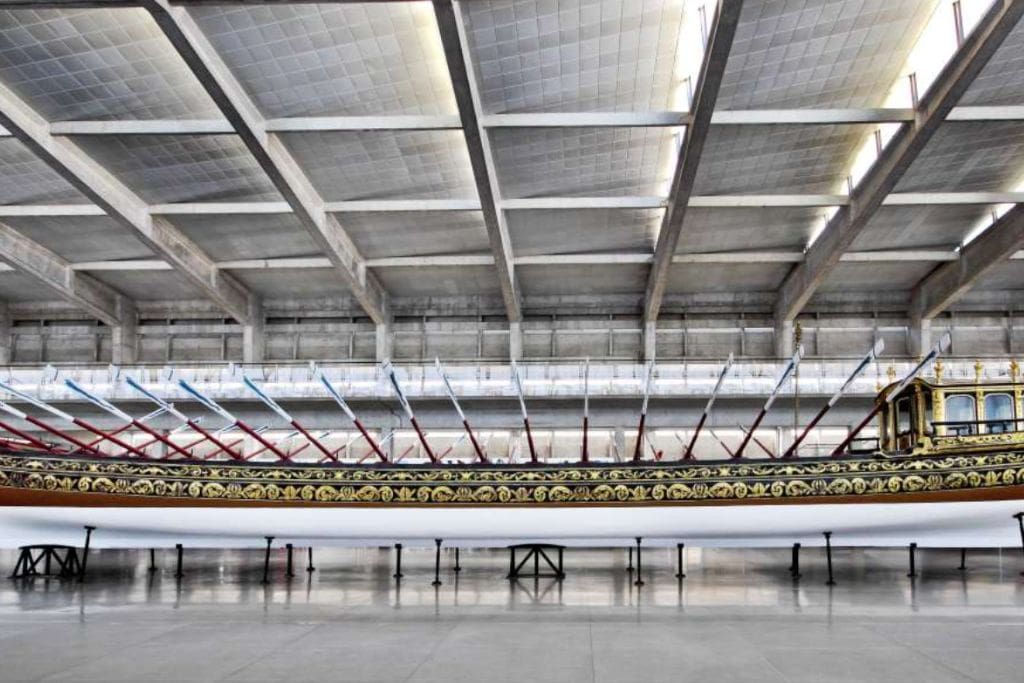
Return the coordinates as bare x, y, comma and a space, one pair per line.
157, 436
841, 448
807, 430
749, 434
423, 439
27, 437
721, 443
67, 437
370, 440
406, 452
476, 444
119, 430
219, 450
584, 454
109, 437
313, 440
261, 440
529, 440
221, 446
639, 438
693, 439
760, 444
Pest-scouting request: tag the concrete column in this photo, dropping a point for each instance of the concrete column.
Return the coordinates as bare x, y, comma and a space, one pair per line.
515, 341
124, 338
6, 338
385, 342
784, 339
919, 337
650, 340
254, 339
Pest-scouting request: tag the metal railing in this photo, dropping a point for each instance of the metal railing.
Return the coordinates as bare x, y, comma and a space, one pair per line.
971, 427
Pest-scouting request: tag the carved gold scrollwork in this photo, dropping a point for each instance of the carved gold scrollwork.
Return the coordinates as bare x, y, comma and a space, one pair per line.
618, 484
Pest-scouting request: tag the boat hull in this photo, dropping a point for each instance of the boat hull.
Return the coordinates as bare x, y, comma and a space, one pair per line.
959, 524
948, 500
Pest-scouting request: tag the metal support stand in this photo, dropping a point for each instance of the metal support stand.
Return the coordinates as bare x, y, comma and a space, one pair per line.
680, 574
457, 567
794, 564
398, 561
437, 563
963, 560
913, 565
630, 567
1020, 522
266, 561
828, 555
85, 551
289, 573
639, 576
152, 560
177, 572
536, 552
309, 562
65, 556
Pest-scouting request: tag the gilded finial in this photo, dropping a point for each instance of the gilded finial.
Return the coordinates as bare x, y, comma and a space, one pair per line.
938, 368
891, 373
978, 368
1014, 370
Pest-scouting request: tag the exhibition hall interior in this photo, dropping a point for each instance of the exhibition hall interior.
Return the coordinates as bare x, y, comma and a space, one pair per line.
504, 340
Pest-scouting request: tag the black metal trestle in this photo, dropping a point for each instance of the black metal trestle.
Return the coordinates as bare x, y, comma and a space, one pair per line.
178, 573
913, 564
963, 560
57, 560
536, 552
680, 574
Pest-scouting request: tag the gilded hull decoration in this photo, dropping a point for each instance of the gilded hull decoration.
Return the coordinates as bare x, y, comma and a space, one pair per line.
76, 481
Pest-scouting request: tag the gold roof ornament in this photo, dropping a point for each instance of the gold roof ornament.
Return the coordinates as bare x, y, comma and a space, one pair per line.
938, 368
891, 373
1014, 370
978, 368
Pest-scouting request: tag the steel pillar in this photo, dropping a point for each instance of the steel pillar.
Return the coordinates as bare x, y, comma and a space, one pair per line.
437, 563
85, 551
828, 556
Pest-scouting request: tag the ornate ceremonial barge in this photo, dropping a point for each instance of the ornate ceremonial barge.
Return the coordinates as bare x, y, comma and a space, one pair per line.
937, 446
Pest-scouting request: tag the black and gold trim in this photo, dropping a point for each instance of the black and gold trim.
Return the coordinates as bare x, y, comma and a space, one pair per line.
75, 480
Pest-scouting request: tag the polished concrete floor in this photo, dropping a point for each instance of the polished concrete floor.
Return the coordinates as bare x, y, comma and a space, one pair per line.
737, 616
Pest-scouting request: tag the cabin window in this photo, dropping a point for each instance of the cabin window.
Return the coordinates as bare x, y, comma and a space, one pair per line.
961, 418
999, 413
903, 415
928, 413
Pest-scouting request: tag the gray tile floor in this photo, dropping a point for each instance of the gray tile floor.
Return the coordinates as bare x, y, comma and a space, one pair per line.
737, 616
